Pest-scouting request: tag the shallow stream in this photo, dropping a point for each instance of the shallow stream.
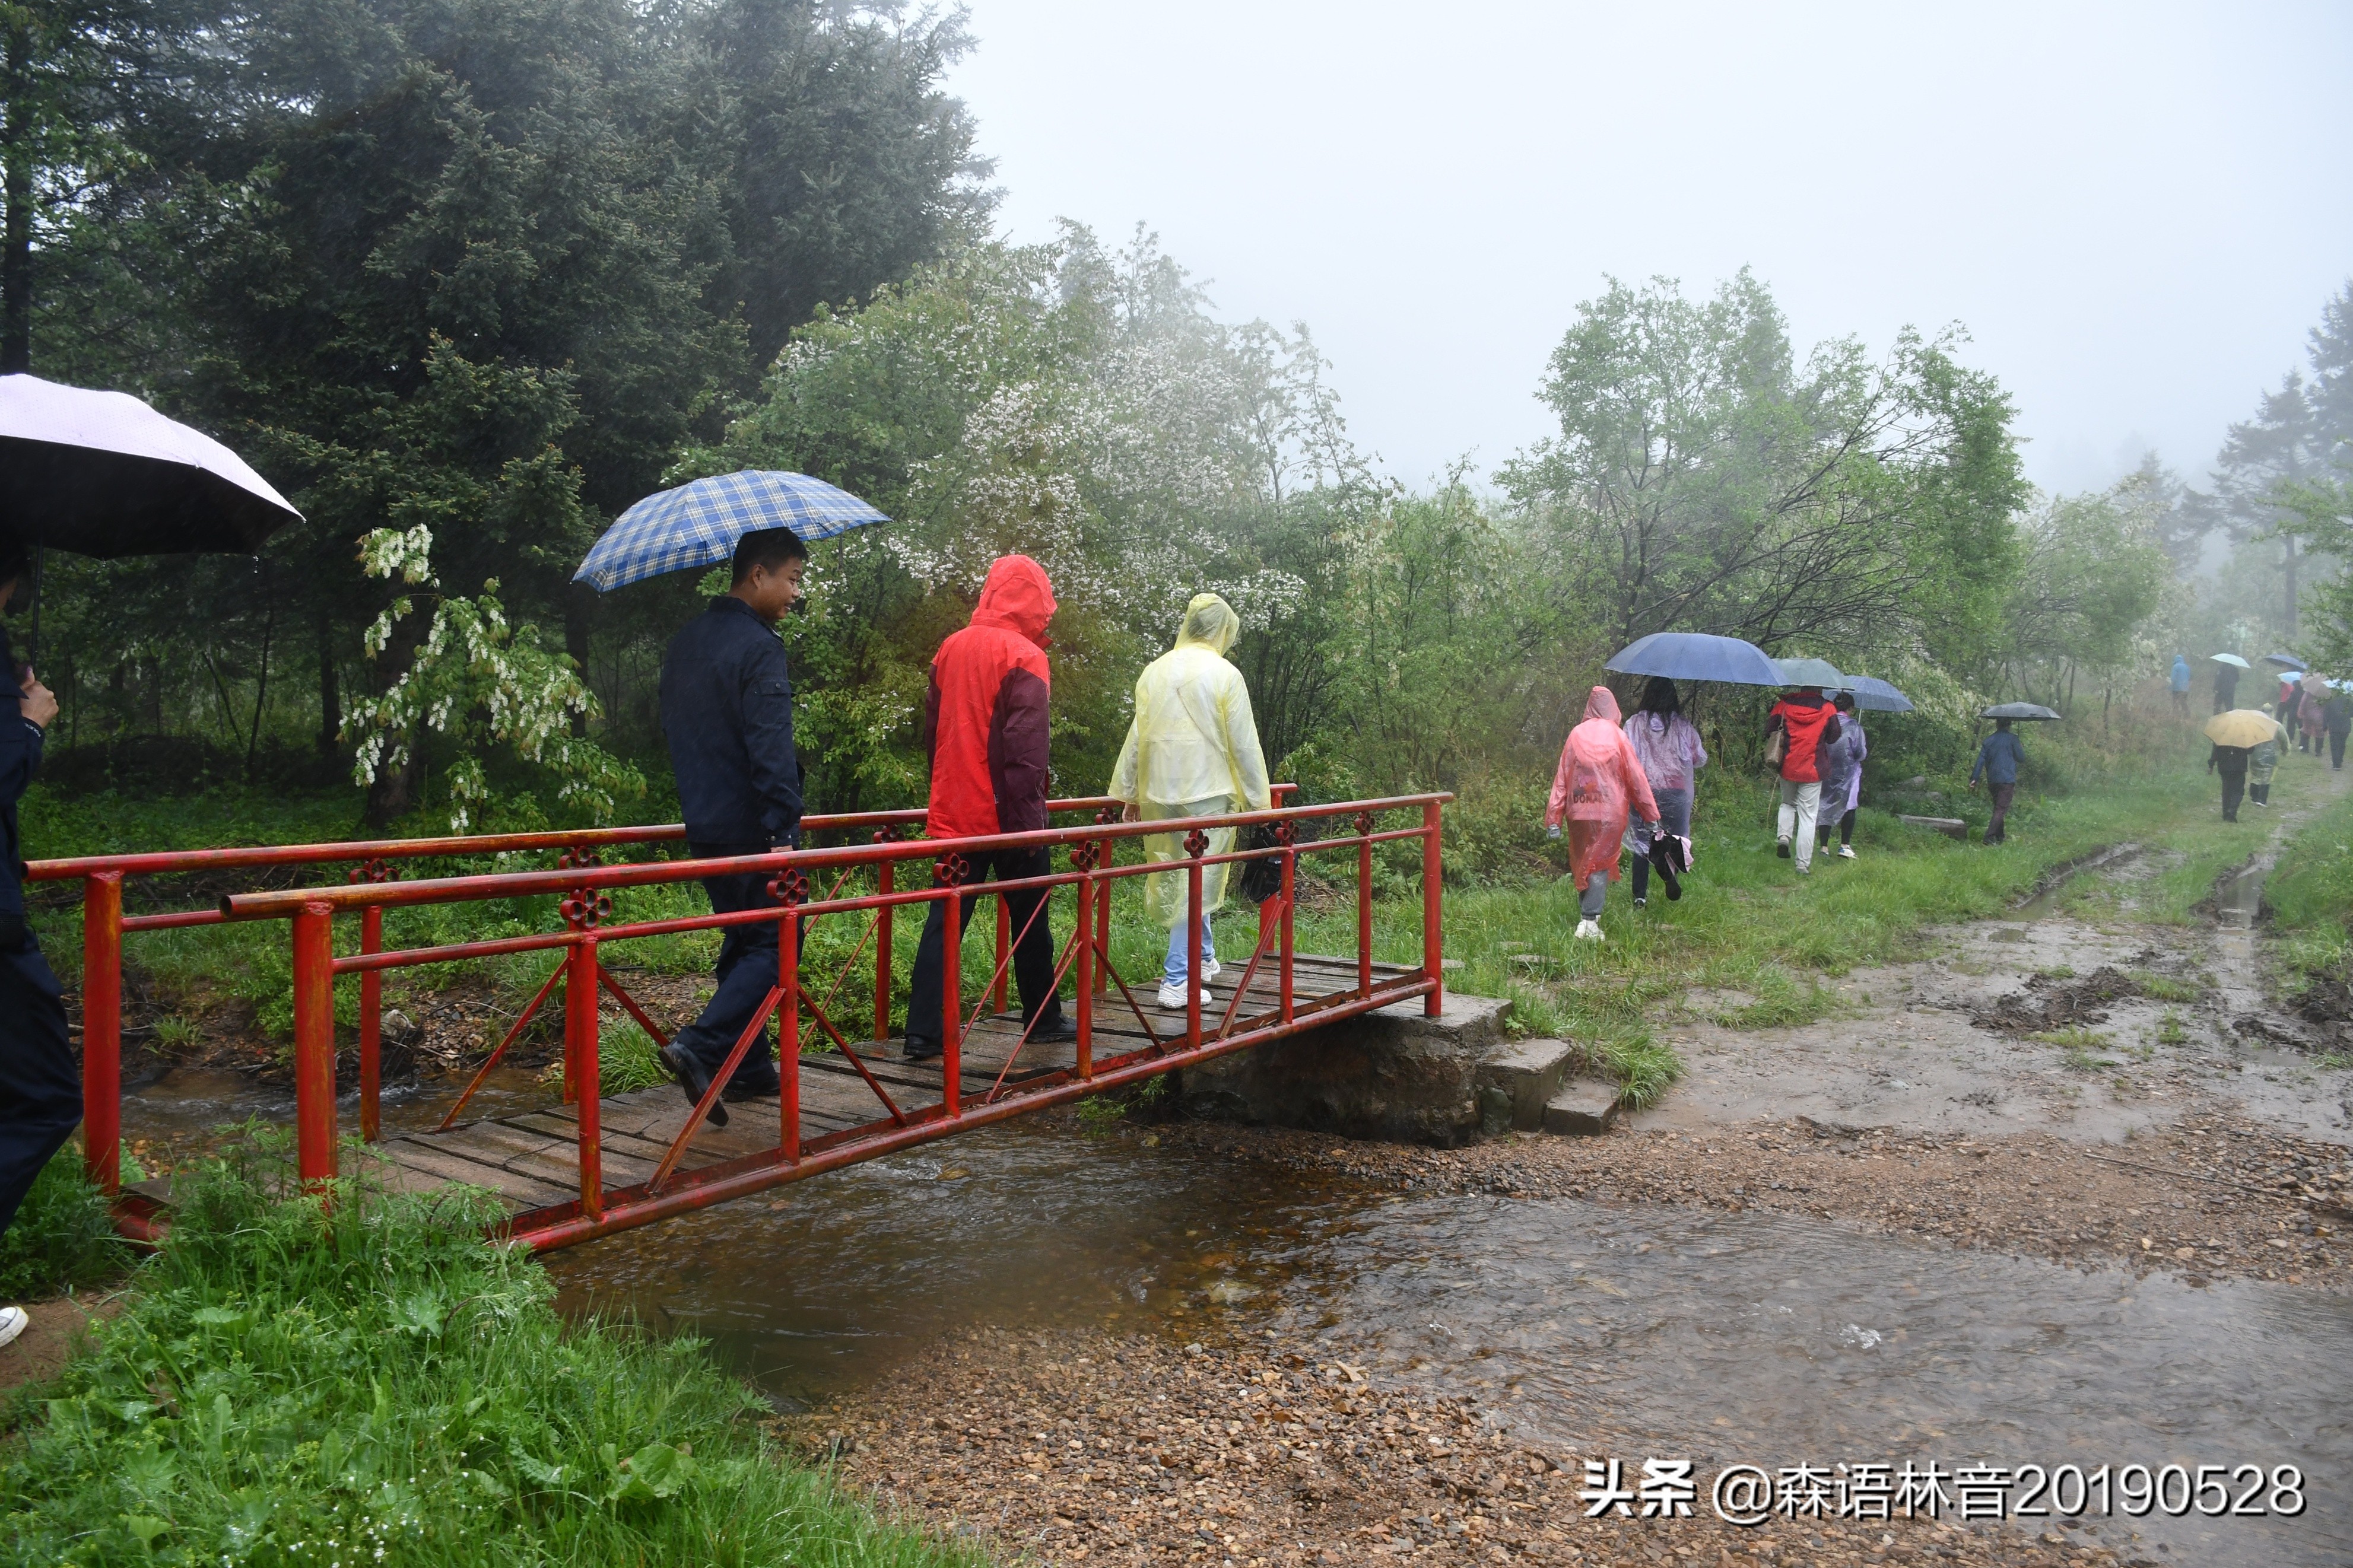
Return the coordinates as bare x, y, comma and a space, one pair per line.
1767, 1339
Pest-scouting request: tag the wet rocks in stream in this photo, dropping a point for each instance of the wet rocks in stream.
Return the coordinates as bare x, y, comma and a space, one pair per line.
1084, 1448
2213, 1196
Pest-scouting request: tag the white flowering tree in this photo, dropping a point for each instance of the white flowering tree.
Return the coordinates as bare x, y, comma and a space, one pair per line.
479, 680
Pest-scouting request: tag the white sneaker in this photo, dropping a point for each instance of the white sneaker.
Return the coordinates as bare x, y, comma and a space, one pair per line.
1846, 851
1173, 998
1589, 931
13, 1320
1210, 970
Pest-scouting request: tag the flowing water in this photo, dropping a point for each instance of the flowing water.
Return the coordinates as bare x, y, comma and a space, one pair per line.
1646, 1332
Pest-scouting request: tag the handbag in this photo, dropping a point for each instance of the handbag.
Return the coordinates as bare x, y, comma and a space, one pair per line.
1261, 878
1776, 748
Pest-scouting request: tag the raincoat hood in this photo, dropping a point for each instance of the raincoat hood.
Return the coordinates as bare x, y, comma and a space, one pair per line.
1211, 623
1603, 705
1017, 597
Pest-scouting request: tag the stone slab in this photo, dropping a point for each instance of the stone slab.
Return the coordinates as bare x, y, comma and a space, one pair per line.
1525, 1074
1391, 1074
1581, 1109
1950, 827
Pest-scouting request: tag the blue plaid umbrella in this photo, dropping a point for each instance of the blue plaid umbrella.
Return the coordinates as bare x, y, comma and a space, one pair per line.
697, 526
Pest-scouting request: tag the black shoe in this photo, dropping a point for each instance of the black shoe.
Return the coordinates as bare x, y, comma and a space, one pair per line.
692, 1080
1783, 851
1057, 1027
921, 1052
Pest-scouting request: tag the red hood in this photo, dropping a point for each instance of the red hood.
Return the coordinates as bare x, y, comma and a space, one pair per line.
1017, 597
1602, 704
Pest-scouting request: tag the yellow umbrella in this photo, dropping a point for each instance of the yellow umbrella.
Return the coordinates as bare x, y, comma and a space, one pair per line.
2242, 727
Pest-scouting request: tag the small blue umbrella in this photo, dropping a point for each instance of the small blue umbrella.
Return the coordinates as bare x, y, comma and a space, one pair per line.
697, 526
2288, 659
1696, 655
1873, 695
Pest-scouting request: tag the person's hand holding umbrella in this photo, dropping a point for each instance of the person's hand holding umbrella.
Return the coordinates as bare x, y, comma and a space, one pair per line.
38, 704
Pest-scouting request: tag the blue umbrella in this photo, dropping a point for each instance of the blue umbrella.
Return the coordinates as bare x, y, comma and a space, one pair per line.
2288, 659
1873, 695
1696, 655
697, 526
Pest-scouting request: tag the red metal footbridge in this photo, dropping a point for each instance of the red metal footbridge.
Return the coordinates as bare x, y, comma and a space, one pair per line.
593, 1163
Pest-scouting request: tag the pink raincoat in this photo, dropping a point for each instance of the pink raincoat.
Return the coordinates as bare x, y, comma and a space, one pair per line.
1600, 780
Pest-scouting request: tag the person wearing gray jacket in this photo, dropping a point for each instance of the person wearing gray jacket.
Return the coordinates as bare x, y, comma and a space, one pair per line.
1838, 761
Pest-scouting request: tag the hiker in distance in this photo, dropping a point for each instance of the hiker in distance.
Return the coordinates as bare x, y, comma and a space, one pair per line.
1191, 750
985, 730
727, 713
1998, 756
1805, 720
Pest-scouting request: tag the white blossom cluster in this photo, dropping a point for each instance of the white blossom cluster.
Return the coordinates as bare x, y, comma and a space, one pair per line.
479, 679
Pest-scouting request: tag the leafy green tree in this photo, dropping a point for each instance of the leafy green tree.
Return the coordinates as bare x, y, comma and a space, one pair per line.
1704, 479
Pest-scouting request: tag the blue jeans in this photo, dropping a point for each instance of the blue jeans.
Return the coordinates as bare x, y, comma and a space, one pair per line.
1175, 972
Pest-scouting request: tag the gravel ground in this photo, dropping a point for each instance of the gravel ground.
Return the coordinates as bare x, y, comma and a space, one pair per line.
2212, 1197
1089, 1449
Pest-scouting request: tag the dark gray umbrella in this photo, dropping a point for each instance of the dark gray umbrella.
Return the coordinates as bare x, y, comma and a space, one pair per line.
101, 473
1809, 672
2017, 711
1873, 695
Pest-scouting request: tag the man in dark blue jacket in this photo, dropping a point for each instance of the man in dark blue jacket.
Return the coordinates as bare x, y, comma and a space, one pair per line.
1998, 756
727, 713
40, 1086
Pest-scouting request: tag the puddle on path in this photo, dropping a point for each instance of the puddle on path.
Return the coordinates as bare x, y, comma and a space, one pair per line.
1720, 1337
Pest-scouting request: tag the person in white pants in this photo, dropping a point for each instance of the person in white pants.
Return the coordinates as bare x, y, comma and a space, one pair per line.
1809, 723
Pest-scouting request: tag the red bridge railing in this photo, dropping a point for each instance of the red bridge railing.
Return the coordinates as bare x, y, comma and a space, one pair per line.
583, 887
104, 925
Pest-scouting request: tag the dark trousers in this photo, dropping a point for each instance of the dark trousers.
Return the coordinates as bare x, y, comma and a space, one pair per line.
2336, 748
2234, 784
1033, 952
2002, 795
1674, 818
2260, 794
2287, 726
745, 972
40, 1086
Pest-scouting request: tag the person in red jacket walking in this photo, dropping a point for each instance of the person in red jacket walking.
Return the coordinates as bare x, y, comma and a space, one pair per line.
985, 731
1811, 723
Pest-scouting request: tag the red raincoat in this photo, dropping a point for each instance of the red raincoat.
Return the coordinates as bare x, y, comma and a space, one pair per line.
985, 716
1599, 779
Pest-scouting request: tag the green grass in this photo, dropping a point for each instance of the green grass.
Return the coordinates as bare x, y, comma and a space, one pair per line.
375, 1384
2311, 899
62, 1237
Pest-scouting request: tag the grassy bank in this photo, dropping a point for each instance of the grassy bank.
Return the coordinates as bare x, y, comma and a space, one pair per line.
2310, 898
377, 1385
1748, 924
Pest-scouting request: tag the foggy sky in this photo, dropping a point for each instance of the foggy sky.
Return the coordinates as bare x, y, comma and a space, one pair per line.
2137, 211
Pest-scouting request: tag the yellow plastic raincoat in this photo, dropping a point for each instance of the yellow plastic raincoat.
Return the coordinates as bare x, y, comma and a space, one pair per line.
1192, 751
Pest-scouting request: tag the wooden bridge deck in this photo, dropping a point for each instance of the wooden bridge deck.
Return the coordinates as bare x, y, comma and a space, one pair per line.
530, 1159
